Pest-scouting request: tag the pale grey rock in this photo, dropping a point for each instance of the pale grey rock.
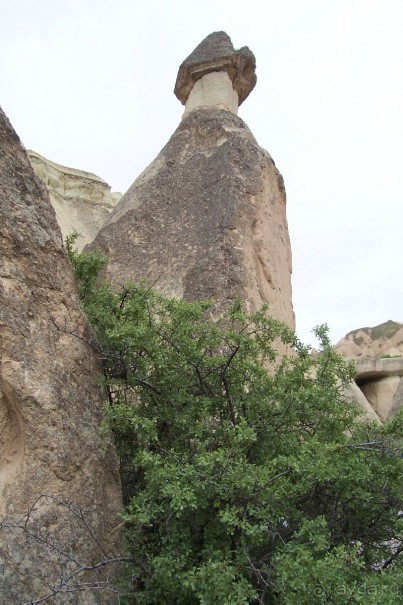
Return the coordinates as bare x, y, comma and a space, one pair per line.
82, 201
52, 448
213, 90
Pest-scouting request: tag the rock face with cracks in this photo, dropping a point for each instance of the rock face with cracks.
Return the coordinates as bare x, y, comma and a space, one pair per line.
60, 493
206, 220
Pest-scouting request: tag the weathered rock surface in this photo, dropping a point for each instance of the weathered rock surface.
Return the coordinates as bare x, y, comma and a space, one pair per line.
378, 356
206, 220
54, 459
82, 201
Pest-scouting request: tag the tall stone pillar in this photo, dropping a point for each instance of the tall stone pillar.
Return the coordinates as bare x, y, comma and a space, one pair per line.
207, 219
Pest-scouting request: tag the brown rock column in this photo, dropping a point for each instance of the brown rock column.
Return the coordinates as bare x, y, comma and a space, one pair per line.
60, 494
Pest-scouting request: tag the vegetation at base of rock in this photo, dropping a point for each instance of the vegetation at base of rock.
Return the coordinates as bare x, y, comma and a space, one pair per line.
248, 478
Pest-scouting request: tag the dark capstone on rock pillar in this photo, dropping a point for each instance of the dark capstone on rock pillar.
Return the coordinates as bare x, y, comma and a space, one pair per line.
217, 54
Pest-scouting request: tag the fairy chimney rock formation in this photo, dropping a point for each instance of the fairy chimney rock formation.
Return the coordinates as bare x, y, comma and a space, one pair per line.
55, 462
216, 75
207, 219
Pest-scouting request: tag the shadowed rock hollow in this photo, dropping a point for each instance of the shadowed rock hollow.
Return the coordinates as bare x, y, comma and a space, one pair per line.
207, 219
54, 460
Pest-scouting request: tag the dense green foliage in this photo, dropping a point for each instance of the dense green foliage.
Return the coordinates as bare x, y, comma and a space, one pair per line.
248, 477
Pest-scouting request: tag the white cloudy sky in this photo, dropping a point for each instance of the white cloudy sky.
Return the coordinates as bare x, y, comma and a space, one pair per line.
88, 84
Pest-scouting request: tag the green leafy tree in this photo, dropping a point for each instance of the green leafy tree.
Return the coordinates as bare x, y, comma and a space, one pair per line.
86, 266
248, 477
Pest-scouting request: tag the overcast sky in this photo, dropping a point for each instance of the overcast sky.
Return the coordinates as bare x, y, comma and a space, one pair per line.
88, 84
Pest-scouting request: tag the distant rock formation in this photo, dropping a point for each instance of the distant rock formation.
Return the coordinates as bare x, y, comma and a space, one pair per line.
207, 219
82, 201
385, 339
378, 355
60, 493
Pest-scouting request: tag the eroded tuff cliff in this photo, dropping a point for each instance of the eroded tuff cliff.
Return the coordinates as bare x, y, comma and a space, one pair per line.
82, 201
60, 494
207, 219
378, 356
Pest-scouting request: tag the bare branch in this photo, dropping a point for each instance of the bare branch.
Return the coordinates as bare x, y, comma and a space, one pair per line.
76, 574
